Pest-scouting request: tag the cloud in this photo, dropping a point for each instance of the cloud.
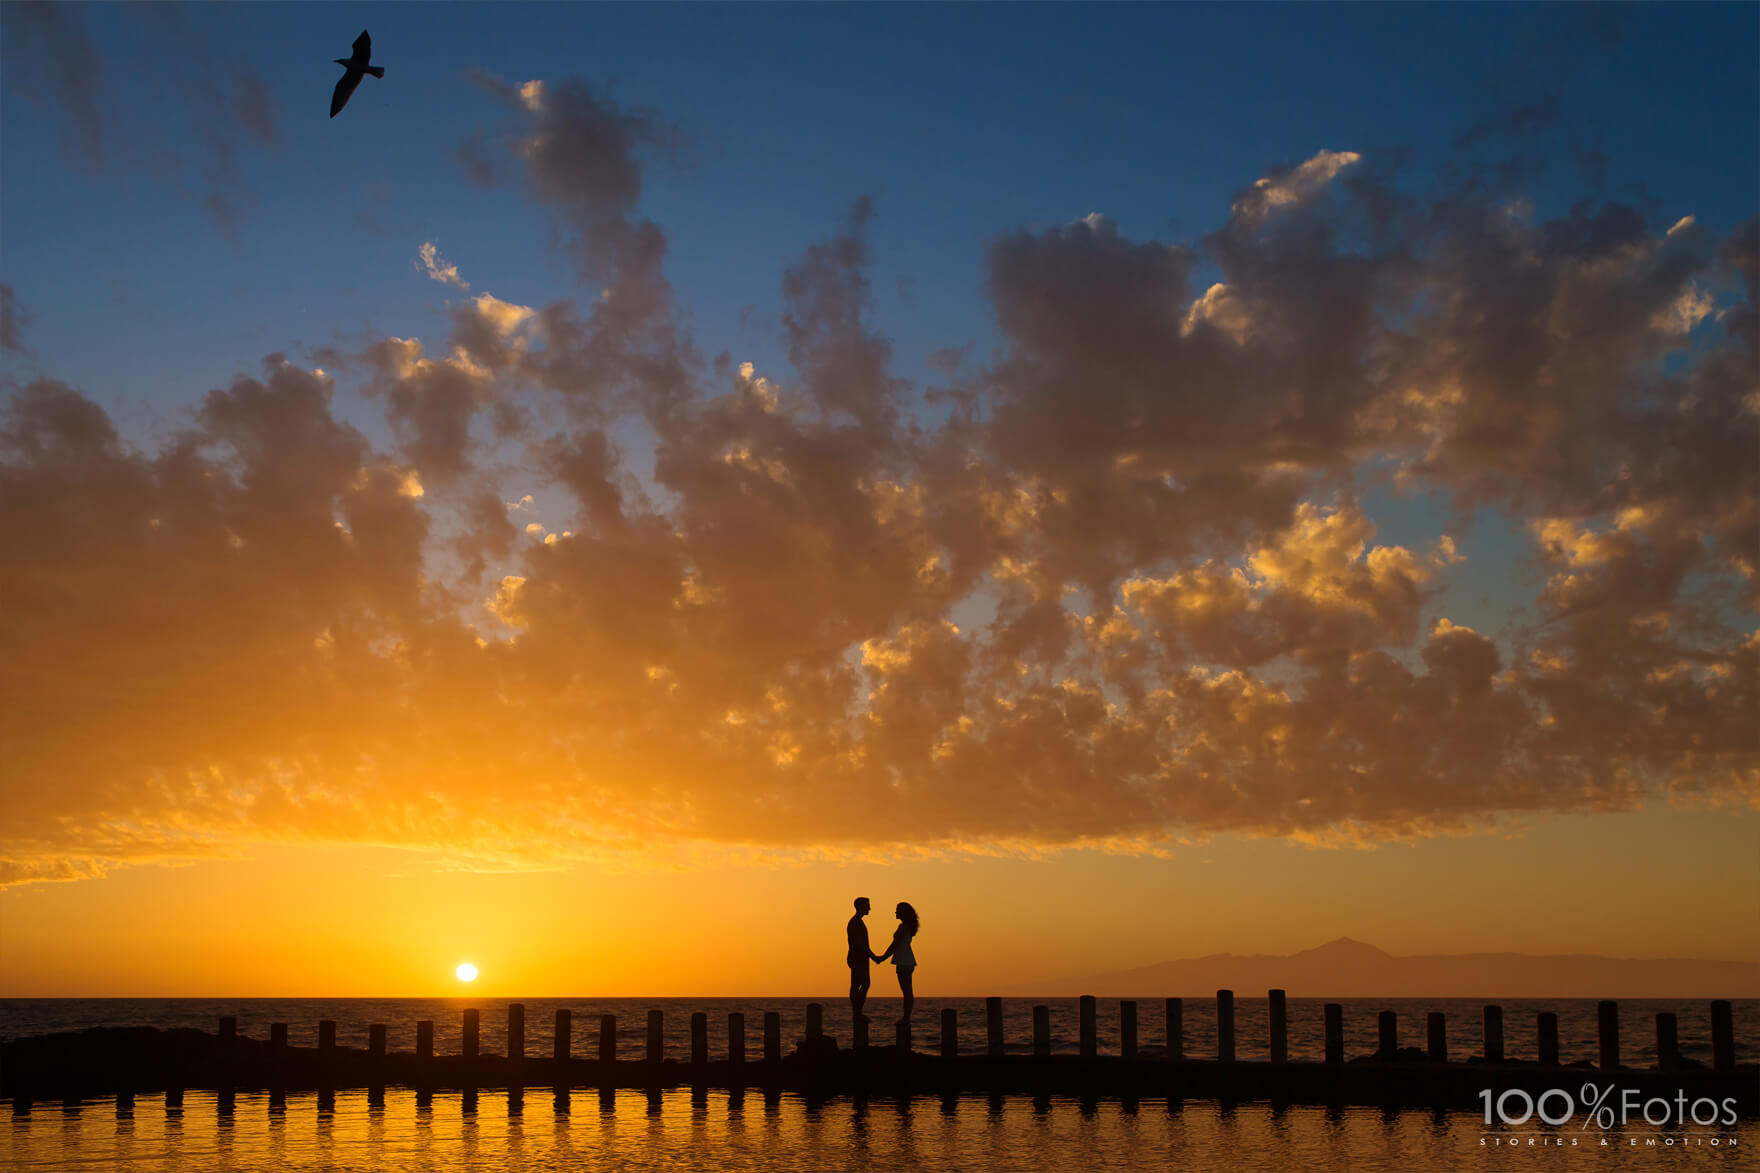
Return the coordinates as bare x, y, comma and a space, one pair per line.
1126, 591
438, 267
13, 319
50, 56
219, 114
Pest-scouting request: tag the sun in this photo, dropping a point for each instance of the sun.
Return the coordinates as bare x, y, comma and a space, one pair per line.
467, 972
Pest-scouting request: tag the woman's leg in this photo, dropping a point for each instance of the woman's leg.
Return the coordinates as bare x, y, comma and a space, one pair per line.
904, 984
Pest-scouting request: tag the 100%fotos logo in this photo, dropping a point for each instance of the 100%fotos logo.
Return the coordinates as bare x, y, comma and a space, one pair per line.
1557, 1106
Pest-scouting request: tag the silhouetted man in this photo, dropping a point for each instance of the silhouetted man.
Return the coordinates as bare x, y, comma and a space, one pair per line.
859, 956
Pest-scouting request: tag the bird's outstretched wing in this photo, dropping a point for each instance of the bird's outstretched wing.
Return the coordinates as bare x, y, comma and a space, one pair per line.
344, 87
363, 48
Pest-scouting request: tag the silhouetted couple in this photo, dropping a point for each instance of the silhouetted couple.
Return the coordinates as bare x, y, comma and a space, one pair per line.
903, 959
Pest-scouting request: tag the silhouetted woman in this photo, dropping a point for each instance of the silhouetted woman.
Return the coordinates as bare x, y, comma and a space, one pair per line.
902, 957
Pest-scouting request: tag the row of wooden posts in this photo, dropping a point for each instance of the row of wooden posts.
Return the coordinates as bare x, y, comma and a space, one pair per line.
1667, 1036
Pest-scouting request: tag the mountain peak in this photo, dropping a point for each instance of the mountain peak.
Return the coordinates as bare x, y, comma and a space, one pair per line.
1344, 947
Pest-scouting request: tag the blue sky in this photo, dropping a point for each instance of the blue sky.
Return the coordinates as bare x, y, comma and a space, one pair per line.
962, 123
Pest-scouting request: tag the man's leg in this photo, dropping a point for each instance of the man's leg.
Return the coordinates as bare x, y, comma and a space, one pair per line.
858, 990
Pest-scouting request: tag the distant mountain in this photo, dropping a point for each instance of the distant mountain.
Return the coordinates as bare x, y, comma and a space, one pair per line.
1350, 969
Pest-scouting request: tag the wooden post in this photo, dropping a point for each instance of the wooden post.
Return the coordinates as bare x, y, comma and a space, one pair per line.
993, 1026
699, 1039
1176, 1029
1723, 1037
278, 1036
470, 1034
1278, 1026
736, 1037
1041, 1031
1668, 1055
903, 1038
656, 1036
1334, 1026
949, 1033
1494, 1034
1548, 1038
1436, 1024
815, 1026
1127, 1030
326, 1039
376, 1040
173, 1098
562, 1041
1090, 1027
1225, 1026
124, 1102
1388, 1023
859, 1033
516, 1031
1607, 1014
772, 1037
228, 1030
425, 1039
607, 1038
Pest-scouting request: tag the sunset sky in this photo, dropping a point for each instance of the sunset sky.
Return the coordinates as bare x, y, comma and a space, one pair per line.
1134, 482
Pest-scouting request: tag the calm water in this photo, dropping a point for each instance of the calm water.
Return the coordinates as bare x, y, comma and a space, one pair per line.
715, 1131
1576, 1022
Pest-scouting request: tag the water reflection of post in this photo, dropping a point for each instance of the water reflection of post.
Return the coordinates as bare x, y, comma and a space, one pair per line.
516, 1101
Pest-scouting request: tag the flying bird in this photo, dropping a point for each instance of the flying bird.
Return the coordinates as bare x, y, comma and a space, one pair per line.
356, 66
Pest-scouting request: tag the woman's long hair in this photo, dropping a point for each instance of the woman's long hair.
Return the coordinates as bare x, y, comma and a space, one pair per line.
908, 915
